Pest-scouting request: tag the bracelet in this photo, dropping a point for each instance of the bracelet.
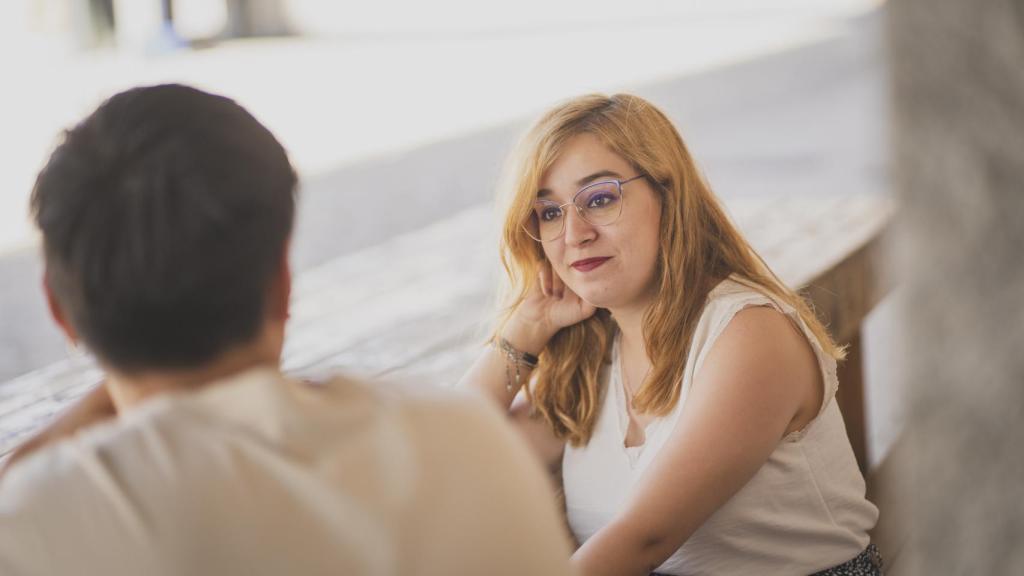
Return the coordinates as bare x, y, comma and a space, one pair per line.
515, 358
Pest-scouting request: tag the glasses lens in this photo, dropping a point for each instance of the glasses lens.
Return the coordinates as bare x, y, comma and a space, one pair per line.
546, 222
601, 203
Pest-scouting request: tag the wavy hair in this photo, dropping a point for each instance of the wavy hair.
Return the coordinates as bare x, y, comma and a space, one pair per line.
699, 247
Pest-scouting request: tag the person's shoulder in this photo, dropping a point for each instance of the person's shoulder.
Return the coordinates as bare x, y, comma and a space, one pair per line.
430, 414
734, 288
445, 411
65, 494
38, 474
481, 487
56, 472
69, 466
453, 425
733, 297
415, 400
758, 327
737, 307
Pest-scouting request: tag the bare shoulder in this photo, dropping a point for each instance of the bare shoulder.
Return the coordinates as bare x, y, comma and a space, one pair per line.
764, 320
764, 351
759, 333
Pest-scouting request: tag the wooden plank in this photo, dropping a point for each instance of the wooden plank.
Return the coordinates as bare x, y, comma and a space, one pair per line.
846, 292
842, 296
850, 398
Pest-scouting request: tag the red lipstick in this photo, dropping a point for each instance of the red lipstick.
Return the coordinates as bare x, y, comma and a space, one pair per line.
589, 264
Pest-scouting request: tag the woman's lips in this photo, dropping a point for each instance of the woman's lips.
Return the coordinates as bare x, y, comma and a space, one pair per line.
589, 263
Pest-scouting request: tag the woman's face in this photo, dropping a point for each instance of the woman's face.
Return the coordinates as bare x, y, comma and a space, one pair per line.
611, 266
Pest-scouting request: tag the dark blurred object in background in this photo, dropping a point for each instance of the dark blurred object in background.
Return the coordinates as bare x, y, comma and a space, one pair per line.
958, 77
151, 25
250, 18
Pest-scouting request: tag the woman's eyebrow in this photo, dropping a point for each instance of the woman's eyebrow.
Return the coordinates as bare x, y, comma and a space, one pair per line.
596, 175
582, 181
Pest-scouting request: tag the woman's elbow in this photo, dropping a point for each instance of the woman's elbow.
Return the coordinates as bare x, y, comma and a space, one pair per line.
651, 545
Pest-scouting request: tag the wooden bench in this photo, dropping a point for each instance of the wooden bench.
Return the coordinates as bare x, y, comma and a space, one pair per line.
418, 307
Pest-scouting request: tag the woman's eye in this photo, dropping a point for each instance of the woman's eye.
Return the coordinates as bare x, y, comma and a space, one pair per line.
600, 200
549, 214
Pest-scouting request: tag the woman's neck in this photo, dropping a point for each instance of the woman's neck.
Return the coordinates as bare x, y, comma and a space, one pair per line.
631, 327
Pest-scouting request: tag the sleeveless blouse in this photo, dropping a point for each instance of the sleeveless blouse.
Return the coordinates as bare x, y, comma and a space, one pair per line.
803, 511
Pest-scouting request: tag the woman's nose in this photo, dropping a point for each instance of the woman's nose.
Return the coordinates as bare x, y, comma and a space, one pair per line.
577, 229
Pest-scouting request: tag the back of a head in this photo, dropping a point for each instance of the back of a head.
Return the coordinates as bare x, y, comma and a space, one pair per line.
165, 215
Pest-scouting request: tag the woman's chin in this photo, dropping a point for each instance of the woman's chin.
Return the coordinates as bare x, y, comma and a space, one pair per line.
598, 299
609, 294
613, 300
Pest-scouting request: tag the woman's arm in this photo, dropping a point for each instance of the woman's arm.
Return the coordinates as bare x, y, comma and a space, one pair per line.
492, 374
548, 308
759, 381
495, 379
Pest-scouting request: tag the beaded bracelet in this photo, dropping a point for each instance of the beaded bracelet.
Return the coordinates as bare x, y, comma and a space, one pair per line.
515, 358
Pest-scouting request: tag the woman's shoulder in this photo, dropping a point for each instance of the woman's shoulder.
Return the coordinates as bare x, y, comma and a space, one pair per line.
724, 303
730, 296
735, 288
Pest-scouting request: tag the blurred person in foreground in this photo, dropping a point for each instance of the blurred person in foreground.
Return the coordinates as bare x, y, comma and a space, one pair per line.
685, 393
166, 216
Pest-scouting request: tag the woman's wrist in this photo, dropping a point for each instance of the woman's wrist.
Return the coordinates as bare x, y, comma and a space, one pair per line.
528, 337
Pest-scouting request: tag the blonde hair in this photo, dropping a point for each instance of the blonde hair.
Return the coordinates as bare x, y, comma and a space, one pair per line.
699, 247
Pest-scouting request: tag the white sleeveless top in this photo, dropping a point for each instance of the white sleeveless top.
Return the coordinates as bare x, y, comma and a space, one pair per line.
803, 511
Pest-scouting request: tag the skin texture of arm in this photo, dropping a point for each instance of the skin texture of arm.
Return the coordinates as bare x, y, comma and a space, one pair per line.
550, 306
759, 382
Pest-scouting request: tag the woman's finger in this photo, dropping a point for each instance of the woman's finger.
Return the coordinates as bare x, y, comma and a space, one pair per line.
572, 296
557, 286
586, 309
544, 279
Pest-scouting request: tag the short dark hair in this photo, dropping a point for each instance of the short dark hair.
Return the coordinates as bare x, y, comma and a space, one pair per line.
165, 215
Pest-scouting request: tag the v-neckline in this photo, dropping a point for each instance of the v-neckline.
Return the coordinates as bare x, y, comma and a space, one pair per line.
622, 405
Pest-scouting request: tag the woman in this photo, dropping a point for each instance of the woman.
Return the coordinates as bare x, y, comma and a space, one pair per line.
687, 394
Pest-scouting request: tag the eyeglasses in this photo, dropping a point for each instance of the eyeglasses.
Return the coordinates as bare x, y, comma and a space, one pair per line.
599, 204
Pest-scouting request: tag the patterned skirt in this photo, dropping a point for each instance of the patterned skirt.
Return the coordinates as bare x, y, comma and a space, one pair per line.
867, 563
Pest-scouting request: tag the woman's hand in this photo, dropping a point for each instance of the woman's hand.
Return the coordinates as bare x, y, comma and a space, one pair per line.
549, 307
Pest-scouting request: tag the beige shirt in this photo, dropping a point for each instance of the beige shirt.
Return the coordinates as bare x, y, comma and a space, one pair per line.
802, 512
263, 475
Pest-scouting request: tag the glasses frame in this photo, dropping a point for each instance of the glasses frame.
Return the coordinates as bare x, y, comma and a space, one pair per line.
579, 211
